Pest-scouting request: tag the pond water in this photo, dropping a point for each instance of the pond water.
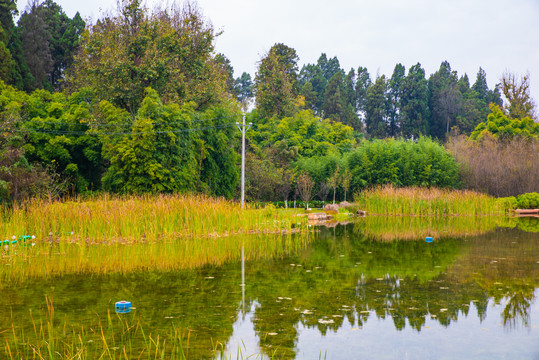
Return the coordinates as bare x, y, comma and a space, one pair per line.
347, 294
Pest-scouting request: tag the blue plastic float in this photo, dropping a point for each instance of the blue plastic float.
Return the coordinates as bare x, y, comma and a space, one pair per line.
123, 307
428, 239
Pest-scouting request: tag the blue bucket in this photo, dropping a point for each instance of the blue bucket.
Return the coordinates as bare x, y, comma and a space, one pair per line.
428, 239
123, 307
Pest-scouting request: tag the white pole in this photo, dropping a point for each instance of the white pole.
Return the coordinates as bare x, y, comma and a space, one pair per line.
243, 128
243, 162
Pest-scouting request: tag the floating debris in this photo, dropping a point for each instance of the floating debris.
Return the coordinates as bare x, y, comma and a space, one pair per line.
443, 310
326, 321
272, 334
209, 277
308, 271
443, 288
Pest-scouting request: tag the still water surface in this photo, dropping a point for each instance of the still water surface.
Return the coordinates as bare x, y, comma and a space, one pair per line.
347, 295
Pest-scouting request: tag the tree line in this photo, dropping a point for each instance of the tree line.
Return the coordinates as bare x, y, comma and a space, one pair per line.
141, 102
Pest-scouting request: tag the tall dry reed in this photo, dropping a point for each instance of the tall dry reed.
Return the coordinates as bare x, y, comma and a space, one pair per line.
129, 219
389, 200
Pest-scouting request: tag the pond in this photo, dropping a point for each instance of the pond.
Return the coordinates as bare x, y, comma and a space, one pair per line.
352, 291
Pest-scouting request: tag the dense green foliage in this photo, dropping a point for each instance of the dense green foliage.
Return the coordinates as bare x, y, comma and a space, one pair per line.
503, 127
41, 47
402, 163
92, 145
170, 51
405, 104
148, 106
528, 201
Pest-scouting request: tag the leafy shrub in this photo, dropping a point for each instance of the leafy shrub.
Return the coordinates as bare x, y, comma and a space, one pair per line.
528, 201
402, 163
508, 203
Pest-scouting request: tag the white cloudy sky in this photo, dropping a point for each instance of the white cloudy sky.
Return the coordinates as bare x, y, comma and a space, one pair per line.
497, 35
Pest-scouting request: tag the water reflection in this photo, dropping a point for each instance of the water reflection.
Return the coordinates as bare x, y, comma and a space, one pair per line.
345, 282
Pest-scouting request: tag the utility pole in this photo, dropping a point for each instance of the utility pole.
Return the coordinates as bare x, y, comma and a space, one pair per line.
243, 128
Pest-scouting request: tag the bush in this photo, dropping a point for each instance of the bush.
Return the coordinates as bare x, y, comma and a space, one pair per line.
508, 202
500, 168
402, 163
528, 201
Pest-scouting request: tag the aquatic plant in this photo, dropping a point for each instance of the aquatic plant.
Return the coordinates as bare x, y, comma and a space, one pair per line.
132, 219
388, 200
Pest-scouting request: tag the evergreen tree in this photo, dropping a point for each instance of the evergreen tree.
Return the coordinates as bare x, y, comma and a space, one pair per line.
444, 100
329, 67
36, 41
228, 70
6, 62
363, 82
314, 97
333, 98
275, 81
395, 95
244, 87
480, 85
309, 95
414, 103
64, 35
377, 109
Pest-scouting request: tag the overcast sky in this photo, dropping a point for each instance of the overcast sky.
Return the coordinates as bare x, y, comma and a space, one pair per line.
498, 35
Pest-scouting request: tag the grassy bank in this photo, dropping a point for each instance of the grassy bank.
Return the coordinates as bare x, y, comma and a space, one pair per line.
389, 200
125, 234
132, 219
